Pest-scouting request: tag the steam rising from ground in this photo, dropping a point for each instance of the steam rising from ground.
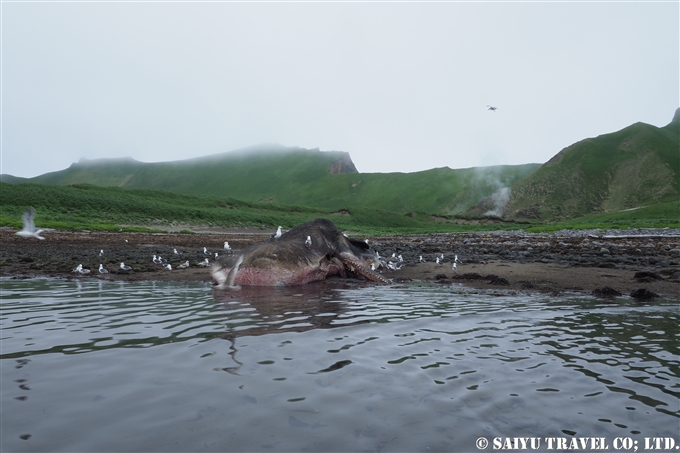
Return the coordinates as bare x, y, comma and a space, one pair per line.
500, 200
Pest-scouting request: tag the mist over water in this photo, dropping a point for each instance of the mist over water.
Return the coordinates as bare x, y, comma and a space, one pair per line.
107, 366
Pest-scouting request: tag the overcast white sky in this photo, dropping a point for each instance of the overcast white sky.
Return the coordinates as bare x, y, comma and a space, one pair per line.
400, 86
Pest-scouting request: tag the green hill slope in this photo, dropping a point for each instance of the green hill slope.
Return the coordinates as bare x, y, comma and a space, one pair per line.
298, 177
635, 167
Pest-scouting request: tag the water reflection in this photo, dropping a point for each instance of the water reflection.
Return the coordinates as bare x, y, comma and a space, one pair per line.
333, 365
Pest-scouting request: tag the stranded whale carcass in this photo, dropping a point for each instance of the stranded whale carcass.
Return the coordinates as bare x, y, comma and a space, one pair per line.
307, 253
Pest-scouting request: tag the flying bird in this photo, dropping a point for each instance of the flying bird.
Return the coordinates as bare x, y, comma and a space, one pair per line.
29, 231
491, 107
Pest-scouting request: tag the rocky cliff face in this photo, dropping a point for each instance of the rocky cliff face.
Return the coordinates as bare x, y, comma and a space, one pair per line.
342, 165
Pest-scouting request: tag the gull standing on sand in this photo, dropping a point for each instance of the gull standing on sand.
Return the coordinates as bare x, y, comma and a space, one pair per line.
79, 270
102, 270
29, 231
124, 267
277, 234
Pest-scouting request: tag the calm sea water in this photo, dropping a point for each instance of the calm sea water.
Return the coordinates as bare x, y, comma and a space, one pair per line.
104, 366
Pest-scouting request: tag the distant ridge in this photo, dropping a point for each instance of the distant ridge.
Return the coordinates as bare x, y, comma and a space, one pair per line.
635, 167
295, 176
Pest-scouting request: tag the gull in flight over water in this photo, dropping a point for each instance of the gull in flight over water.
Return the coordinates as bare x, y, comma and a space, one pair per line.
29, 230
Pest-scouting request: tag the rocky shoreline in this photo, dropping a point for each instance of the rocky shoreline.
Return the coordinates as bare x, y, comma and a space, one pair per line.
642, 262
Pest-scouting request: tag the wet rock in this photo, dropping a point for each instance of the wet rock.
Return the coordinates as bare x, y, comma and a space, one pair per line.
643, 294
496, 280
647, 276
606, 291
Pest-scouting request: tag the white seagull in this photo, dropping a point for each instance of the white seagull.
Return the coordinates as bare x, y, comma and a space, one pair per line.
101, 253
124, 267
205, 251
216, 255
79, 269
420, 259
204, 263
29, 231
278, 233
454, 267
102, 270
437, 260
168, 266
456, 260
185, 265
226, 246
175, 251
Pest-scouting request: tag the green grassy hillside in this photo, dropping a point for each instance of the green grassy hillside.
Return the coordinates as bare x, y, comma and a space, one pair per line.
295, 176
636, 167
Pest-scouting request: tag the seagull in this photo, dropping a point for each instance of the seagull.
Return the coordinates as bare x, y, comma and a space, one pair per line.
442, 257
491, 107
205, 251
155, 259
421, 259
102, 270
29, 231
277, 234
101, 253
175, 251
204, 263
124, 267
79, 269
308, 242
454, 267
401, 258
437, 260
184, 265
456, 260
226, 246
216, 255
168, 266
